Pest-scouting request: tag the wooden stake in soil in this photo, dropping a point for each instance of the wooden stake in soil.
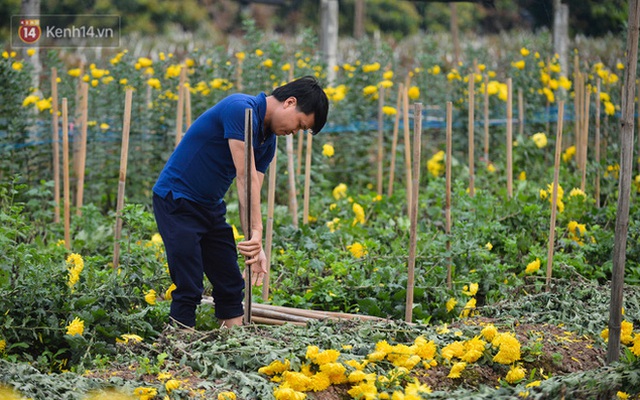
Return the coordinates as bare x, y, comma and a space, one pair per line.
413, 214
124, 151
248, 166
300, 135
520, 112
293, 199
471, 134
56, 146
579, 115
65, 174
187, 106
407, 145
447, 206
597, 144
180, 110
624, 190
307, 180
82, 160
380, 139
268, 239
554, 195
394, 141
509, 141
486, 118
585, 139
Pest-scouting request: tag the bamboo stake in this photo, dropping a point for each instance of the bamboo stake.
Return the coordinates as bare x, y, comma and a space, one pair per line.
268, 241
300, 139
289, 313
624, 184
447, 206
239, 76
509, 141
248, 166
56, 146
471, 134
407, 145
83, 148
585, 139
123, 175
180, 110
554, 195
520, 112
276, 315
65, 174
597, 144
293, 200
578, 97
271, 321
380, 139
187, 106
307, 180
394, 141
413, 237
486, 118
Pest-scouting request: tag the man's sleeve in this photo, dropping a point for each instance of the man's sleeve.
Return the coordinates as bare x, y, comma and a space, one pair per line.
233, 120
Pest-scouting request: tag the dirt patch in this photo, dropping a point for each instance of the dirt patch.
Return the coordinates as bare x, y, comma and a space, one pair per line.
547, 350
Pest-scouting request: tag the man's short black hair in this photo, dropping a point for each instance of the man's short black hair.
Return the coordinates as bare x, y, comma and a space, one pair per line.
310, 96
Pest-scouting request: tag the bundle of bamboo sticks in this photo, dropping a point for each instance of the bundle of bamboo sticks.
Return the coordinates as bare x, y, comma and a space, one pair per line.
278, 315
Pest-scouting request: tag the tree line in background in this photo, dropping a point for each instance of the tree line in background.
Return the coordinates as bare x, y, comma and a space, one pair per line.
219, 18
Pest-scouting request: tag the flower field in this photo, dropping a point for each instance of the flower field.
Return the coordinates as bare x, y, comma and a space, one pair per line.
488, 322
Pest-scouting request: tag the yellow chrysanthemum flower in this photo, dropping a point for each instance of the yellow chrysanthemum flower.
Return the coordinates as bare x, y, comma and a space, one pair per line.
171, 385
509, 348
357, 250
154, 83
471, 290
457, 369
150, 297
359, 214
328, 150
129, 337
532, 267
168, 293
145, 393
413, 92
489, 332
540, 139
435, 165
515, 374
285, 393
340, 191
75, 327
451, 303
226, 396
471, 304
519, 64
370, 90
30, 99
388, 110
145, 62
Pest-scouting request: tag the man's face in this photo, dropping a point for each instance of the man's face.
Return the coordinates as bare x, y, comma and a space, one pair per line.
287, 119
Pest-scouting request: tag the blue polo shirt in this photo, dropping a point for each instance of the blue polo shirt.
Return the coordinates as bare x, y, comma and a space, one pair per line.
201, 168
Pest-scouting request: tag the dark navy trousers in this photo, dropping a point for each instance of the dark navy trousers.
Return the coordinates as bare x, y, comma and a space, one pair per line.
198, 242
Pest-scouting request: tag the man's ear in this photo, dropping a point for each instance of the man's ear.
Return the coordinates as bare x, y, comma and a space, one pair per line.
291, 101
